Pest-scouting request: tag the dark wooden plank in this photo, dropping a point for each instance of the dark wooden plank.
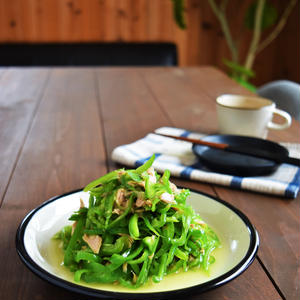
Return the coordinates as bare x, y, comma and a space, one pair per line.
251, 285
183, 100
64, 149
214, 82
277, 219
20, 93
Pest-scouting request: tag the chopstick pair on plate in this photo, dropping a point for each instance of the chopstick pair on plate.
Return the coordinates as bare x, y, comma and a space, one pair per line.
255, 152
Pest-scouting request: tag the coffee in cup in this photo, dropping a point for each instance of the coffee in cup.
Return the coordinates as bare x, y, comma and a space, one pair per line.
250, 116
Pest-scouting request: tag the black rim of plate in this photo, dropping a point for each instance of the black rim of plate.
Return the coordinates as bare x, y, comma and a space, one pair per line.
203, 287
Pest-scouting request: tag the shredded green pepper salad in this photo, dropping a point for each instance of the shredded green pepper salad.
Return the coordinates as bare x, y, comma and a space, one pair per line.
137, 226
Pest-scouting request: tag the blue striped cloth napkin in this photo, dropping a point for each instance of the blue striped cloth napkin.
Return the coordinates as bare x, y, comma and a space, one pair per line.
177, 156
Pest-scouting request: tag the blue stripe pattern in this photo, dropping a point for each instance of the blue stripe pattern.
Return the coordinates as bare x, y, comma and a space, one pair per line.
143, 160
186, 172
186, 133
293, 187
236, 182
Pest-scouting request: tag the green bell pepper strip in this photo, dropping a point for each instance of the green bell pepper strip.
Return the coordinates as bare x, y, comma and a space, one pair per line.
140, 259
68, 257
108, 206
196, 233
64, 235
176, 267
91, 201
148, 224
185, 266
78, 274
192, 245
135, 253
84, 255
172, 219
117, 260
170, 230
166, 182
143, 274
107, 238
94, 215
181, 254
185, 224
181, 197
93, 231
167, 236
207, 256
171, 254
146, 165
78, 214
135, 269
154, 202
100, 273
134, 175
149, 242
161, 222
149, 189
118, 230
165, 209
162, 268
133, 226
117, 247
123, 215
104, 179
196, 262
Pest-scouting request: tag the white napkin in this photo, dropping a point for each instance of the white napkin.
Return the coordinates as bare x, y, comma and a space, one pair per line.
177, 156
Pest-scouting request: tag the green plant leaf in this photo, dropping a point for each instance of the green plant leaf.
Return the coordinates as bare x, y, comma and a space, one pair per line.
269, 15
246, 84
241, 70
178, 12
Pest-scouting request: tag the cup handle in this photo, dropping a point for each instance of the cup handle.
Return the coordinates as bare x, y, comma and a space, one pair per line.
286, 124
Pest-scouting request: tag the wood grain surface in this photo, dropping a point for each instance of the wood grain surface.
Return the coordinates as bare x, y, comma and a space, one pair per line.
63, 138
20, 95
141, 20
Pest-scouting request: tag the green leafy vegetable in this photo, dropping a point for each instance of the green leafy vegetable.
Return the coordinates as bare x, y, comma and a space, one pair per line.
137, 226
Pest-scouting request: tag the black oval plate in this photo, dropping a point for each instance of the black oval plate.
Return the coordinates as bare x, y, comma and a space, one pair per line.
238, 164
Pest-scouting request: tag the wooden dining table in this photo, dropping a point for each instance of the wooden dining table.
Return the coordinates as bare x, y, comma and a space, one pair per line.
58, 128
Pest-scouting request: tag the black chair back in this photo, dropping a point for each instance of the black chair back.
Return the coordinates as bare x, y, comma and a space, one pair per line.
89, 54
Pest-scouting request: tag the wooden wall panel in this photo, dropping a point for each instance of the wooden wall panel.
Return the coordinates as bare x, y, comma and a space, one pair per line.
145, 20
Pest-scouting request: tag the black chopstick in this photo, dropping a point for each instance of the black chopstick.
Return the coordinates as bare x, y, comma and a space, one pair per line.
241, 150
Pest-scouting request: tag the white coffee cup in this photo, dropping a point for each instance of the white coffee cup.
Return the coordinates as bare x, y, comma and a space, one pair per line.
250, 116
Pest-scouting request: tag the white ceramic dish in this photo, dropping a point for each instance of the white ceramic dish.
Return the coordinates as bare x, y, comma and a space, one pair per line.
238, 237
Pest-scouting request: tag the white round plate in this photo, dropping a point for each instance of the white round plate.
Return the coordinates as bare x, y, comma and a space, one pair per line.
238, 237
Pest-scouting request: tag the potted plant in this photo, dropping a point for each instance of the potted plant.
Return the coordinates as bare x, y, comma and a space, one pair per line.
261, 18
